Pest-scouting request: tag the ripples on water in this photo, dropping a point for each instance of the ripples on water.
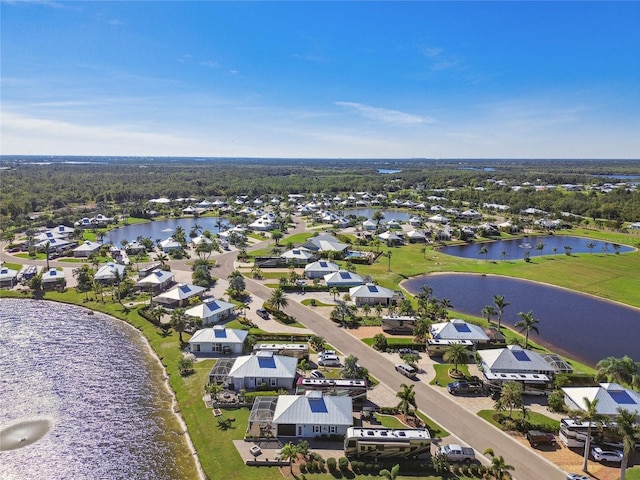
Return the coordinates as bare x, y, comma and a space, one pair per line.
94, 378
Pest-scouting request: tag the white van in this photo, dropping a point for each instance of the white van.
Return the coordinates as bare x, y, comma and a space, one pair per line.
406, 370
329, 361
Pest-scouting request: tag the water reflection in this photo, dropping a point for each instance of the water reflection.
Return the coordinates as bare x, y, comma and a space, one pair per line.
93, 379
162, 229
580, 326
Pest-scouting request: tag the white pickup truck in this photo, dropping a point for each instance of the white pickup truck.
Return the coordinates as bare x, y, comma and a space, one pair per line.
456, 453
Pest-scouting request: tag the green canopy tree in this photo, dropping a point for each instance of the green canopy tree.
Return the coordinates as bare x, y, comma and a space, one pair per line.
628, 428
407, 399
527, 324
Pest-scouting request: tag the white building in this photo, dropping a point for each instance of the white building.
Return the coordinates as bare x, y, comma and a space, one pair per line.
211, 311
312, 415
252, 371
610, 396
218, 340
320, 269
342, 278
109, 273
458, 329
371, 294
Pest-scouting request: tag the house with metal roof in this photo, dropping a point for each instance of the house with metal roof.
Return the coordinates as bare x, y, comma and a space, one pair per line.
312, 415
157, 281
514, 359
179, 295
371, 294
8, 277
169, 245
109, 273
610, 396
320, 269
325, 243
263, 368
53, 279
298, 256
218, 340
211, 311
343, 278
458, 329
86, 248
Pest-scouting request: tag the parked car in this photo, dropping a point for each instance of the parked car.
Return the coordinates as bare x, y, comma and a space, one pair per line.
406, 370
536, 437
329, 361
262, 313
464, 387
601, 455
316, 374
456, 453
577, 476
327, 353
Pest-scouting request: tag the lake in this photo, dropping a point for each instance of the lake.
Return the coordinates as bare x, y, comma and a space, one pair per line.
572, 324
162, 229
515, 248
93, 379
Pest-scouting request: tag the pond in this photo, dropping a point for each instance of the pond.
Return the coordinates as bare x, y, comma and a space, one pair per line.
573, 324
388, 214
162, 229
517, 248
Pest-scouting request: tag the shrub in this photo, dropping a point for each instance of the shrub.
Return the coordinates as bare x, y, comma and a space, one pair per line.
343, 462
332, 464
303, 468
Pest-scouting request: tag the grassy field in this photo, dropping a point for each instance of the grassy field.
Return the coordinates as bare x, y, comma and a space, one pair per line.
534, 418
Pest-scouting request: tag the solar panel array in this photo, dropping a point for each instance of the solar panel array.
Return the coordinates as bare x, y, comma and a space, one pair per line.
521, 356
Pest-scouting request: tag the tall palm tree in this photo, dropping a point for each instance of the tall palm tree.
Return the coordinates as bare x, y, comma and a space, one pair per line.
488, 311
498, 468
526, 325
289, 453
540, 246
389, 254
456, 353
421, 328
591, 246
501, 304
407, 399
366, 309
334, 291
590, 415
628, 428
179, 321
484, 251
278, 299
390, 474
621, 370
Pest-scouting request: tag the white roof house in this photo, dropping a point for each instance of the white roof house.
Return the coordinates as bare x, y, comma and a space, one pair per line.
170, 244
343, 278
211, 310
8, 277
109, 273
86, 248
201, 240
369, 225
458, 329
62, 230
325, 243
180, 294
371, 294
52, 278
251, 371
610, 396
313, 414
416, 236
320, 269
157, 280
298, 256
389, 236
514, 359
218, 339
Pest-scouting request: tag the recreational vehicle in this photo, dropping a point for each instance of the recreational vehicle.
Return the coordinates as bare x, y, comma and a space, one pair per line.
296, 350
354, 388
437, 347
380, 442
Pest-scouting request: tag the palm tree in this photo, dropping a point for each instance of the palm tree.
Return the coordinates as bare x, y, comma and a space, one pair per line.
488, 311
179, 321
590, 415
503, 254
501, 304
628, 428
407, 399
540, 246
456, 353
390, 474
389, 254
366, 309
499, 468
484, 251
289, 453
421, 328
378, 309
278, 299
590, 246
621, 370
335, 292
526, 325
317, 342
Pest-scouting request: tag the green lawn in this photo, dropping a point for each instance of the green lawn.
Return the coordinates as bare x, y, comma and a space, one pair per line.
296, 238
318, 303
442, 373
534, 417
633, 473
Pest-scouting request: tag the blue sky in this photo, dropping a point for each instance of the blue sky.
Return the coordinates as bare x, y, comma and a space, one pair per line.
321, 79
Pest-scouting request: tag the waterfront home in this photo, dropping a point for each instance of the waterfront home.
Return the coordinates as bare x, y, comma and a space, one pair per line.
369, 225
371, 294
54, 245
416, 236
610, 396
156, 281
86, 249
179, 295
298, 256
62, 231
201, 240
515, 364
170, 245
458, 329
134, 248
312, 415
110, 273
320, 269
415, 221
393, 224
342, 278
218, 340
8, 277
53, 279
325, 243
211, 311
263, 369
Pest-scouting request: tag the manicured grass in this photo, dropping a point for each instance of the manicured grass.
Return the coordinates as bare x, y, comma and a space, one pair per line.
13, 266
389, 421
318, 303
296, 239
534, 418
442, 373
633, 473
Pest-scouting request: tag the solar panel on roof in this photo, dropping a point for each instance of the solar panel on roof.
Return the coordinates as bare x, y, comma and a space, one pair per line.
317, 405
372, 288
521, 356
185, 288
213, 305
462, 327
345, 275
622, 397
266, 362
296, 252
220, 333
323, 264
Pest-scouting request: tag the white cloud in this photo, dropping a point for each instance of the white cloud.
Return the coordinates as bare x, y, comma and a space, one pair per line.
385, 115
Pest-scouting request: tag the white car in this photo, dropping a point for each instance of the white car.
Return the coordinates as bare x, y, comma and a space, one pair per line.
600, 455
577, 476
316, 374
